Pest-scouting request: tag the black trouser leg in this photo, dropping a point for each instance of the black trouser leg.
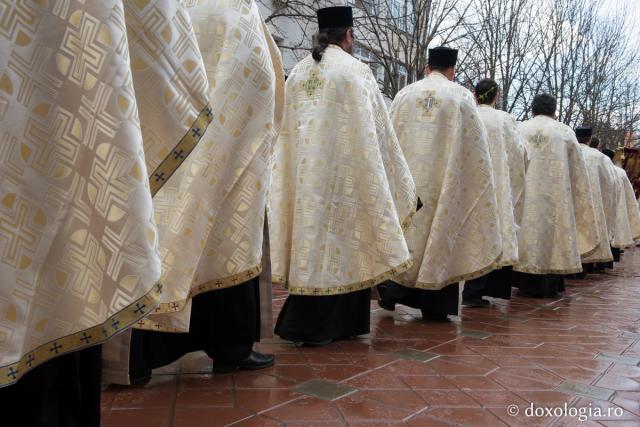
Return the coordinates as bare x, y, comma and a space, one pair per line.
225, 323
63, 392
475, 289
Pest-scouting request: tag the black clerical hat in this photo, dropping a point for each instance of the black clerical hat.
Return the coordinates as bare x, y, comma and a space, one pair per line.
609, 153
584, 132
442, 57
335, 17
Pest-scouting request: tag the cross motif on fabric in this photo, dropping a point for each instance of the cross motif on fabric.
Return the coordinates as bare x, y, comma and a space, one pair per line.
196, 132
30, 359
13, 373
429, 103
539, 139
160, 177
55, 348
140, 308
105, 332
178, 155
174, 306
85, 338
209, 112
312, 83
115, 324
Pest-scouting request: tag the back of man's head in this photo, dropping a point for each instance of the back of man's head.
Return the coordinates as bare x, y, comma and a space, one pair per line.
544, 104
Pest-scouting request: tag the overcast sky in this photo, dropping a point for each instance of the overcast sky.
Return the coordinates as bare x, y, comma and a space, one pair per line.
633, 6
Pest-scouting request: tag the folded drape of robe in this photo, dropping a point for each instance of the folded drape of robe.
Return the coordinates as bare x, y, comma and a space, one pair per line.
559, 222
502, 133
456, 235
78, 246
518, 164
211, 211
341, 186
627, 221
599, 178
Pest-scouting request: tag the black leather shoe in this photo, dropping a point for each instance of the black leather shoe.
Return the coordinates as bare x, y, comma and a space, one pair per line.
384, 301
140, 378
254, 362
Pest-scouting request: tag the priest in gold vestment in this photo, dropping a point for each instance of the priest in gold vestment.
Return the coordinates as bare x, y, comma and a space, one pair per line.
79, 260
456, 235
508, 173
557, 202
341, 192
626, 230
210, 206
603, 191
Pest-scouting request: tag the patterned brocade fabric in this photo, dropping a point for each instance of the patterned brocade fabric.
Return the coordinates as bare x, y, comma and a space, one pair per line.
456, 235
627, 220
559, 221
341, 186
86, 88
502, 132
594, 160
211, 212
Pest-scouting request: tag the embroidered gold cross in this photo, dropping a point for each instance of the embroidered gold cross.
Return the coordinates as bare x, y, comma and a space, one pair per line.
539, 139
429, 103
312, 83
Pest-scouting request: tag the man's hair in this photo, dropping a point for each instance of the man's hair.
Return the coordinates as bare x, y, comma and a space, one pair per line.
326, 37
595, 142
584, 139
486, 91
544, 104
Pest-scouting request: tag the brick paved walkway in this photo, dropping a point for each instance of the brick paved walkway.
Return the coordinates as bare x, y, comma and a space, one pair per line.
468, 372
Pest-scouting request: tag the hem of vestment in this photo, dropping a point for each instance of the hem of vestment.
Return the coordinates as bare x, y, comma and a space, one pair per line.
597, 260
591, 252
463, 277
624, 246
97, 334
181, 151
535, 270
211, 285
343, 289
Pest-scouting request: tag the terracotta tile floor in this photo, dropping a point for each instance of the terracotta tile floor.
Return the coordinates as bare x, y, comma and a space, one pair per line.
591, 337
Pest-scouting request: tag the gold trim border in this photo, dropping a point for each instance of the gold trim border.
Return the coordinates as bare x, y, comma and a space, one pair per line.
343, 289
181, 151
547, 270
212, 285
98, 334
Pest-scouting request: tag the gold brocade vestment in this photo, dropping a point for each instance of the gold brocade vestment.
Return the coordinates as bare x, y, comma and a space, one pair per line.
78, 245
559, 222
456, 235
341, 186
627, 221
210, 212
601, 178
502, 132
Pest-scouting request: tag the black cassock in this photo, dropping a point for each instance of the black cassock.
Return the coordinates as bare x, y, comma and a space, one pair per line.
496, 284
314, 319
539, 285
62, 392
438, 303
224, 323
